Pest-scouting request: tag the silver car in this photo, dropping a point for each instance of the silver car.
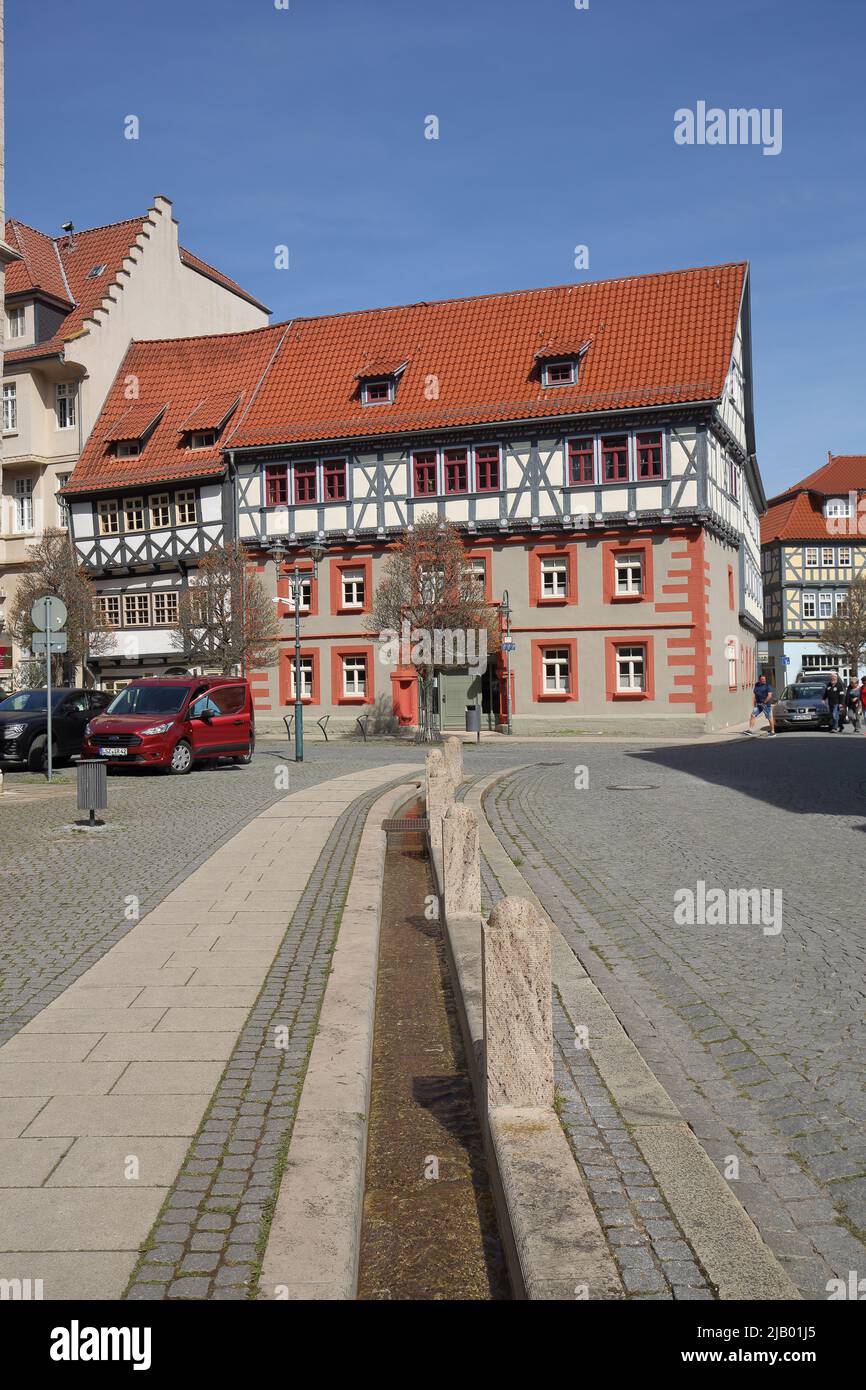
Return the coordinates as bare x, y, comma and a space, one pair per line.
802, 706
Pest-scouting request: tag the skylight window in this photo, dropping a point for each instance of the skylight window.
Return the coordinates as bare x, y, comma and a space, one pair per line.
95, 273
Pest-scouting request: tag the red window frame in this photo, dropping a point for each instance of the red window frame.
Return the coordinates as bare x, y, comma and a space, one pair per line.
614, 458
456, 471
581, 461
277, 485
334, 473
651, 445
538, 648
565, 367
377, 392
305, 483
424, 474
487, 461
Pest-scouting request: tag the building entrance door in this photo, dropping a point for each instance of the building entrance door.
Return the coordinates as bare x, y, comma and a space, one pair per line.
460, 688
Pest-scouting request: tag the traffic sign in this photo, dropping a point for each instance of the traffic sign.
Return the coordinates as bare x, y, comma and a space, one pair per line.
509, 646
48, 614
53, 642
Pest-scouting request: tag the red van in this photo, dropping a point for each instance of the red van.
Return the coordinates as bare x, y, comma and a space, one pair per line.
172, 723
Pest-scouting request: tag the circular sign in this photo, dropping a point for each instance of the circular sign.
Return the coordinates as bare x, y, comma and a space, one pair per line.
48, 614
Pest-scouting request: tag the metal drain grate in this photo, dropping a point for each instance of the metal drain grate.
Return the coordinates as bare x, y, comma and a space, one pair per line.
633, 787
406, 824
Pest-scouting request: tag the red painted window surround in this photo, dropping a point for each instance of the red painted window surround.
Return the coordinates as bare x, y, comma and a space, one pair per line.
424, 473
731, 587
623, 640
276, 485
284, 591
305, 482
334, 471
609, 552
614, 458
487, 557
537, 553
337, 654
539, 695
487, 468
581, 461
650, 455
361, 562
456, 470
287, 661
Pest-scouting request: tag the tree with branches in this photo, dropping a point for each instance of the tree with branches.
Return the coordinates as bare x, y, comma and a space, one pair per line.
845, 633
225, 618
54, 569
430, 611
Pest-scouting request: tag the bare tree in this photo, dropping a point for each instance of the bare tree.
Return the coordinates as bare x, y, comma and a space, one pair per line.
225, 618
54, 569
845, 633
429, 609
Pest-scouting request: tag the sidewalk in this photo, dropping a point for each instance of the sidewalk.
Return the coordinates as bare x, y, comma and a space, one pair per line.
103, 1091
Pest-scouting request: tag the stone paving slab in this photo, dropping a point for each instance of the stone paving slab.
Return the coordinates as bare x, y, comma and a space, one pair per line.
144, 1057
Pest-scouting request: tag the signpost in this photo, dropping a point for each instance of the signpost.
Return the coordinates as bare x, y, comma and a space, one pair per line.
48, 616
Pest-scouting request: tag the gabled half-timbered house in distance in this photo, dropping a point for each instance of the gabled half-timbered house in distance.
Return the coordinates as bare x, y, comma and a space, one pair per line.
813, 545
593, 442
147, 497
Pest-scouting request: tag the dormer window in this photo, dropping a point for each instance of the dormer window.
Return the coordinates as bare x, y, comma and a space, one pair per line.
202, 439
128, 448
15, 319
130, 433
563, 373
379, 392
837, 506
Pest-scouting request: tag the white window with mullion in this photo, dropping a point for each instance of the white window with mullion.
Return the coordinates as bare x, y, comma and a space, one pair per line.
556, 670
10, 407
23, 505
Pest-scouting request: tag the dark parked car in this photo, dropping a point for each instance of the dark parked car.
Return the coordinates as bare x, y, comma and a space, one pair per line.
24, 724
802, 706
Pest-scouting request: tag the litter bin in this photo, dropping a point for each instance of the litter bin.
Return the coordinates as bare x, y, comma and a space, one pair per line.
473, 721
92, 787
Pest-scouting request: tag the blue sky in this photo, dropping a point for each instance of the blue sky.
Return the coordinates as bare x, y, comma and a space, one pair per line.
305, 127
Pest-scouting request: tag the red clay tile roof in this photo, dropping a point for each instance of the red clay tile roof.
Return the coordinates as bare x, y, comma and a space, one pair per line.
181, 371
60, 267
566, 348
134, 422
656, 340
386, 364
211, 413
798, 513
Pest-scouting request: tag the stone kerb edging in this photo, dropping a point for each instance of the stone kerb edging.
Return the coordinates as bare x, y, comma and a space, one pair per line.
314, 1241
723, 1236
501, 971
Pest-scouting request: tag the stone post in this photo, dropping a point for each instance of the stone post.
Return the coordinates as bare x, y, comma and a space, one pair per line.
453, 750
518, 1017
440, 794
461, 862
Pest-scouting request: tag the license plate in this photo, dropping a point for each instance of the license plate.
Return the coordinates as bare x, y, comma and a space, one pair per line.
801, 716
113, 752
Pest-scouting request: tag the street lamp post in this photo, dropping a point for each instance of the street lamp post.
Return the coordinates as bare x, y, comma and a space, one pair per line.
505, 617
296, 578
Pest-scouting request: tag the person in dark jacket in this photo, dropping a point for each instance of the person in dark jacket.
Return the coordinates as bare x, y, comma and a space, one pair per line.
854, 704
835, 698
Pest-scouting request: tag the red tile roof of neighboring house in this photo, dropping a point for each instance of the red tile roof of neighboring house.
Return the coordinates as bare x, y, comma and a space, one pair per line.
181, 372
61, 267
134, 422
656, 340
798, 513
211, 413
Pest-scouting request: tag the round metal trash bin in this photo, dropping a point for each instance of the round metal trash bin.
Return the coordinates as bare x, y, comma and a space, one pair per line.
473, 719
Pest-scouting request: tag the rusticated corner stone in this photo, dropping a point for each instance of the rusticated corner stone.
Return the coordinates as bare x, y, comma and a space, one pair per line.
461, 861
518, 1019
440, 794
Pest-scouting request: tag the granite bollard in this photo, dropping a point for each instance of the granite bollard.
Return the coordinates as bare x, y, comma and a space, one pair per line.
453, 750
518, 1018
461, 862
440, 794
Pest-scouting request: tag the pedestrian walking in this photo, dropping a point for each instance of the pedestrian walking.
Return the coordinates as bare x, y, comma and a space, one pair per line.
762, 703
834, 696
853, 704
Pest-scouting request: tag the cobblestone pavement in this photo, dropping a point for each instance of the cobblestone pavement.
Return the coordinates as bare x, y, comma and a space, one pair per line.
64, 892
211, 1233
758, 1038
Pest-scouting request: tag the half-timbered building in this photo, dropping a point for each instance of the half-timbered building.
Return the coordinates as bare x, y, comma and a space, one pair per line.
594, 443
813, 544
